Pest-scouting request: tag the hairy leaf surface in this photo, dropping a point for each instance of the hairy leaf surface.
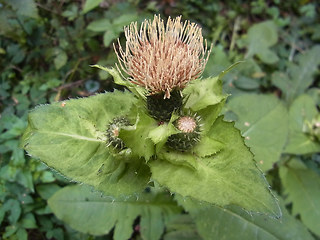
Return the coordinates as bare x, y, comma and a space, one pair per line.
263, 121
228, 177
70, 137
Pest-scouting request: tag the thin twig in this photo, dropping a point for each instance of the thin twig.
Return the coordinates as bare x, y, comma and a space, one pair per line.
235, 30
69, 85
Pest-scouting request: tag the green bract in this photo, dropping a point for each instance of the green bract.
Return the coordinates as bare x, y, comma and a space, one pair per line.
71, 137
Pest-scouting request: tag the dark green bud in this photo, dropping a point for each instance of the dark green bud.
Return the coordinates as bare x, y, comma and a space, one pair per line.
114, 130
162, 108
189, 127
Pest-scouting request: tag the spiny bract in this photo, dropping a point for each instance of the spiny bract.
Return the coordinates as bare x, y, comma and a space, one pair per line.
113, 132
161, 109
189, 127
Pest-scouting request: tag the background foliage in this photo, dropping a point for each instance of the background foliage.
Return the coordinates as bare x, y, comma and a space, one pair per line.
46, 48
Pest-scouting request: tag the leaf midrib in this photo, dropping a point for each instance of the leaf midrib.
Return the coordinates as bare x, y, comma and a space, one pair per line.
162, 205
75, 136
245, 193
257, 121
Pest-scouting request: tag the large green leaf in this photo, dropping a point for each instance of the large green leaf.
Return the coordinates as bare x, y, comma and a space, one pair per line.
89, 212
90, 4
298, 76
302, 111
228, 177
302, 186
70, 137
25, 7
181, 228
263, 121
232, 223
261, 37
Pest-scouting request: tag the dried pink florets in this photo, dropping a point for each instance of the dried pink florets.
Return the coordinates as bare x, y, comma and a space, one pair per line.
162, 58
187, 124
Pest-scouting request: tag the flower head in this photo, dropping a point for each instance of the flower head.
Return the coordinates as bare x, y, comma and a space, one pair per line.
163, 57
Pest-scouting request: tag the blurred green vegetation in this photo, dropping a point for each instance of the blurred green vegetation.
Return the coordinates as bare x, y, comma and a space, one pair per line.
47, 47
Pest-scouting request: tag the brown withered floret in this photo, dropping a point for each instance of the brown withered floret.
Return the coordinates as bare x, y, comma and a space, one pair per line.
163, 57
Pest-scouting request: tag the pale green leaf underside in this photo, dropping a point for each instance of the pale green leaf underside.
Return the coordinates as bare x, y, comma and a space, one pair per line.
160, 134
232, 223
88, 212
228, 177
303, 189
302, 109
70, 137
137, 137
263, 121
202, 93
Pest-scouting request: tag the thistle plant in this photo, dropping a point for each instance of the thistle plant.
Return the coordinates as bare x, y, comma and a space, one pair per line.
163, 60
166, 130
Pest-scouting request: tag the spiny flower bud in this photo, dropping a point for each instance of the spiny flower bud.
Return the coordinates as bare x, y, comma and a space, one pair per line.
161, 109
114, 130
189, 127
162, 58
